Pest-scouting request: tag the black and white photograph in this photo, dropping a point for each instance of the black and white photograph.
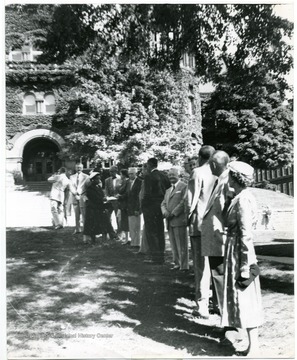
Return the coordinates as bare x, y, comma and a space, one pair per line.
148, 180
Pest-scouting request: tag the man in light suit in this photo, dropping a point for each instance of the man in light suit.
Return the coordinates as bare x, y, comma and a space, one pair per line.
78, 184
111, 186
173, 209
213, 235
134, 206
57, 196
199, 190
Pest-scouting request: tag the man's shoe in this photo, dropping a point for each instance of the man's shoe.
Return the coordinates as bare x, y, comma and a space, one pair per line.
153, 262
76, 232
202, 315
175, 267
127, 243
58, 227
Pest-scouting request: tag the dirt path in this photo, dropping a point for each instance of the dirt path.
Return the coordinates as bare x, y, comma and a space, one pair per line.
68, 300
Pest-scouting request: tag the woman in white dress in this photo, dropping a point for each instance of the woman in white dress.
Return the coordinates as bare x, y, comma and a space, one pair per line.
242, 295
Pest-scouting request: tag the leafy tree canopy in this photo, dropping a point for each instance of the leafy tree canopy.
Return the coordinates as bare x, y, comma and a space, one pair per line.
241, 48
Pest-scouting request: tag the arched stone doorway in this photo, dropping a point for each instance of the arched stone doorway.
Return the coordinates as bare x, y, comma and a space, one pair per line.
40, 159
34, 154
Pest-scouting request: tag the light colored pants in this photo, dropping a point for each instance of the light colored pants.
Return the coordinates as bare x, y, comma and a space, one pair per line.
57, 211
134, 229
202, 274
143, 243
79, 210
179, 245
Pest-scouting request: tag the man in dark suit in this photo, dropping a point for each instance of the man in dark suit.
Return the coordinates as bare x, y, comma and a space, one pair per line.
112, 185
155, 185
134, 206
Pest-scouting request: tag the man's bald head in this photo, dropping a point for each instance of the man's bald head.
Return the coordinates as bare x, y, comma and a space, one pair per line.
218, 162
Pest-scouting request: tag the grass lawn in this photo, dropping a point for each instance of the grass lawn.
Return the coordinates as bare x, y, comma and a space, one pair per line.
68, 300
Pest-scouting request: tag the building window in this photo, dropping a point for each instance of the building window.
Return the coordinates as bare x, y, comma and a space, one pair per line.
43, 104
49, 103
188, 61
26, 56
191, 106
290, 188
278, 172
39, 107
289, 170
268, 174
285, 188
29, 104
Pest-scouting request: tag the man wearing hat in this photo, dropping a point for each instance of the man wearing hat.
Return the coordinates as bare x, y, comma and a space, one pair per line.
97, 219
112, 185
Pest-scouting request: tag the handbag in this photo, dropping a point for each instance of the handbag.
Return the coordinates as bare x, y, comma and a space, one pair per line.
254, 272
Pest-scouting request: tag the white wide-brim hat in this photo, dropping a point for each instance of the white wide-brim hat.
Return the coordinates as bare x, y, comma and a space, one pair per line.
242, 168
93, 174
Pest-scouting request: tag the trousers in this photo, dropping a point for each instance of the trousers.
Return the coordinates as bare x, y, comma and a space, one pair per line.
179, 245
134, 229
57, 211
202, 274
154, 227
79, 210
216, 264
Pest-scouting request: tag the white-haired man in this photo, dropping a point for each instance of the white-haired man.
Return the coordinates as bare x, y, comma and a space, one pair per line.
78, 184
134, 206
173, 209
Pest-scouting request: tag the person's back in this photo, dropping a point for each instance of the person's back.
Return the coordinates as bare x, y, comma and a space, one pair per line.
59, 184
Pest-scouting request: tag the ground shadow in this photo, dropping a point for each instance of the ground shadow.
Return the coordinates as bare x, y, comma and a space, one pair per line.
53, 280
281, 250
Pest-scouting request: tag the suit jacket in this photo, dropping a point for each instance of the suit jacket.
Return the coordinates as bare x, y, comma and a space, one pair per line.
79, 189
123, 191
213, 236
174, 203
133, 201
60, 184
200, 187
110, 189
155, 185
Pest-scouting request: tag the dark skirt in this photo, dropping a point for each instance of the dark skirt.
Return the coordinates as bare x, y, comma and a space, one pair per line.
96, 222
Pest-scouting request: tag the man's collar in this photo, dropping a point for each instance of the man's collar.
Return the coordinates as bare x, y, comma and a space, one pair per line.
178, 181
154, 169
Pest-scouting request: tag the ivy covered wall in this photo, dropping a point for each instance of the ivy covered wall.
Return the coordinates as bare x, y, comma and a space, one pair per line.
27, 77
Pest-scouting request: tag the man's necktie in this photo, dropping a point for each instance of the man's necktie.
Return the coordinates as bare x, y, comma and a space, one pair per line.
214, 186
77, 180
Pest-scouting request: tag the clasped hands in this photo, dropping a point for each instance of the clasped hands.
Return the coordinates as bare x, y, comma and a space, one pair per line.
168, 215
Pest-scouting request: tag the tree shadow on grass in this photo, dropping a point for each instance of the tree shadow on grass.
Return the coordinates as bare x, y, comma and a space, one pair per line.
276, 285
55, 282
281, 250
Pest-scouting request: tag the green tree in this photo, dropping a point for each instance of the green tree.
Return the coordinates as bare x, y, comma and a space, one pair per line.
247, 116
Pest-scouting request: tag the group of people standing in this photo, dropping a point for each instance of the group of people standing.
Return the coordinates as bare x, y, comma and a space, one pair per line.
211, 204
